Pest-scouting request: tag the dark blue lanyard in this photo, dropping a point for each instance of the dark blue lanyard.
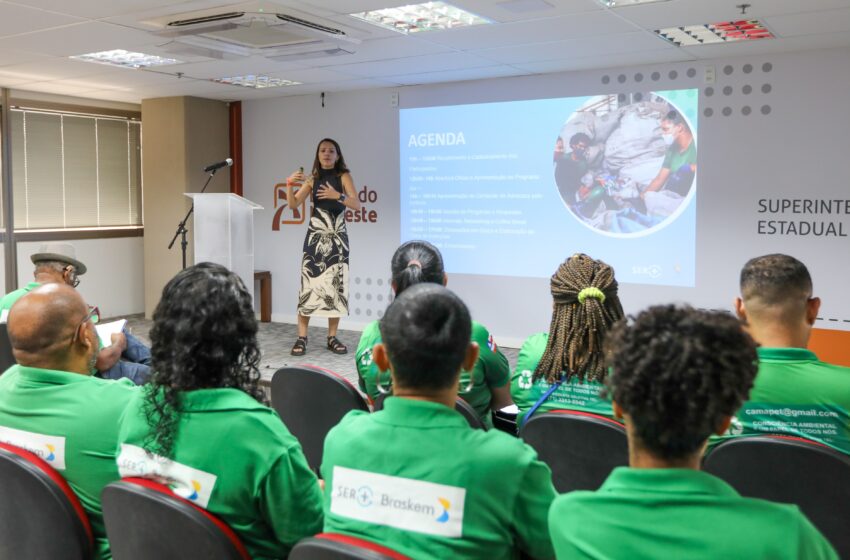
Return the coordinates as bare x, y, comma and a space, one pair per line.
542, 400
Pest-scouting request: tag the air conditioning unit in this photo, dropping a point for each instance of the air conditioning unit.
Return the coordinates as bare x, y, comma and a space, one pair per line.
251, 29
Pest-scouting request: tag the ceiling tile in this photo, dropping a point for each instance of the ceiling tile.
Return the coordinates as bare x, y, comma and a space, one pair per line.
496, 12
80, 39
227, 68
93, 9
11, 56
51, 69
814, 23
769, 46
607, 61
15, 20
694, 12
417, 64
313, 75
53, 87
586, 24
458, 75
382, 49
576, 48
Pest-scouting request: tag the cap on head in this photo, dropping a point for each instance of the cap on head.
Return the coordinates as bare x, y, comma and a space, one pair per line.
61, 252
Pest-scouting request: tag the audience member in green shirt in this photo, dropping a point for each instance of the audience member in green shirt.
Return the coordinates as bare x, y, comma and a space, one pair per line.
414, 476
794, 393
52, 406
678, 376
202, 424
485, 385
567, 363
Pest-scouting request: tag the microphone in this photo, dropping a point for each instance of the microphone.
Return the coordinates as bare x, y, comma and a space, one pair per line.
216, 166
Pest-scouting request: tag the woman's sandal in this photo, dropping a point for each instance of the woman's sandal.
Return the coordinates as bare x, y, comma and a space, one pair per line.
335, 346
300, 346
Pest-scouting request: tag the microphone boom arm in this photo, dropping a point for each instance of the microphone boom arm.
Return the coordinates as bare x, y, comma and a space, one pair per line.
181, 227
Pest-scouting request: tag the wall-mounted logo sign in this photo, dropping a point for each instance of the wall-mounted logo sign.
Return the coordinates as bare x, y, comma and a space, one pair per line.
284, 214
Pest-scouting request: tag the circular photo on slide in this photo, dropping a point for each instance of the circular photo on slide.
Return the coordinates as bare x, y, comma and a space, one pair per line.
625, 165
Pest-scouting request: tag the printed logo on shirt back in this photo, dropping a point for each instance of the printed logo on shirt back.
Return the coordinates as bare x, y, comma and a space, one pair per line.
525, 379
403, 503
51, 449
189, 483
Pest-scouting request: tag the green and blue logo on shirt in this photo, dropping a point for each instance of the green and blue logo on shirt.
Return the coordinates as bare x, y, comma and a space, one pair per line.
412, 505
446, 507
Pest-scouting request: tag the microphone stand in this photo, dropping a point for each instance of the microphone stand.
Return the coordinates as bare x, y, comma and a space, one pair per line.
181, 227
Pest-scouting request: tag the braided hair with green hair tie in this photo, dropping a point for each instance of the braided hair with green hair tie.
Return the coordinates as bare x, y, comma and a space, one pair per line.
586, 305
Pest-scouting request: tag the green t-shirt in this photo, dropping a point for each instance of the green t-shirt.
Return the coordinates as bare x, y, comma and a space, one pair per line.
796, 394
572, 395
7, 301
491, 369
674, 159
414, 477
234, 457
71, 421
678, 513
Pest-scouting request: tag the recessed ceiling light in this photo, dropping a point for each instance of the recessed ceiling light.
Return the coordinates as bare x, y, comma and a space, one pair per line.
256, 81
428, 16
127, 59
723, 32
623, 3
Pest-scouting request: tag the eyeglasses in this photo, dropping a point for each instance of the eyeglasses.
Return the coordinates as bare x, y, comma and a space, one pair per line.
72, 276
93, 315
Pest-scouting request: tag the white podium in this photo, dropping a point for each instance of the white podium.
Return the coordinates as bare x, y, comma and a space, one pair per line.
224, 233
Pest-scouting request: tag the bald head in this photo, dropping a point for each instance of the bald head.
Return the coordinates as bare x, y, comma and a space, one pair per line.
42, 325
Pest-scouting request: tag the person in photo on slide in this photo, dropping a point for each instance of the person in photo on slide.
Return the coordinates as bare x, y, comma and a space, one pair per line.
324, 261
680, 162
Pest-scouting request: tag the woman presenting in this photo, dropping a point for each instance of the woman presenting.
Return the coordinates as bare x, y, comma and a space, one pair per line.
324, 264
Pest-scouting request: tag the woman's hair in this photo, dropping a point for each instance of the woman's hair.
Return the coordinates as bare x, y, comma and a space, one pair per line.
415, 262
586, 305
679, 373
204, 336
339, 166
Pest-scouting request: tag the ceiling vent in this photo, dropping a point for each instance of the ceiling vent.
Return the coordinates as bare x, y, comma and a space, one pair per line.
253, 29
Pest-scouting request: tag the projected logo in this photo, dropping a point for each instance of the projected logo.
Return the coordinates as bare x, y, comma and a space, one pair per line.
625, 165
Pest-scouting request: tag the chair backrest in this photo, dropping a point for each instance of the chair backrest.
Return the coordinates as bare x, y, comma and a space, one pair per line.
505, 420
792, 470
469, 413
311, 401
40, 516
461, 406
333, 546
146, 520
581, 448
7, 360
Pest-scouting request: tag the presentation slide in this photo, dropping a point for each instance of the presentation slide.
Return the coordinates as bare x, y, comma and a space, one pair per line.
514, 188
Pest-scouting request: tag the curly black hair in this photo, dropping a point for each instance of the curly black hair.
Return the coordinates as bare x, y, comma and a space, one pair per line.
204, 336
679, 373
579, 322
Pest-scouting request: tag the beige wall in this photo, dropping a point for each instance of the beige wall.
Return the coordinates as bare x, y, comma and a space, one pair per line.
181, 136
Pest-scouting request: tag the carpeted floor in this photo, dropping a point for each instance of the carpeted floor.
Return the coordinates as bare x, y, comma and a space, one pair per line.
276, 341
